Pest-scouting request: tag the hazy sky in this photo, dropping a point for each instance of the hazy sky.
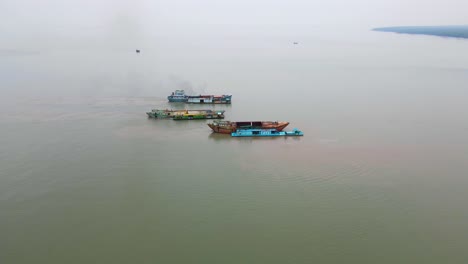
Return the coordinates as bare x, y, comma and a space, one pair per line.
87, 46
29, 16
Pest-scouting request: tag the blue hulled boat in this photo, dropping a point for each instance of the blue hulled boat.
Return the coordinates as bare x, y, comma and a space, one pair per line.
265, 133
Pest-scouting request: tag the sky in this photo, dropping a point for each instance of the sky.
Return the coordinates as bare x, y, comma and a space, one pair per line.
166, 16
51, 44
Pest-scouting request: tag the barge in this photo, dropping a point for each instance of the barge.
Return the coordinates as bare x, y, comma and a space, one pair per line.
266, 133
228, 127
188, 116
166, 113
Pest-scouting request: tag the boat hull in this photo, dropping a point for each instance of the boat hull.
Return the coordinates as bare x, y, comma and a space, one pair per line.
230, 127
169, 114
221, 130
265, 133
177, 100
208, 102
197, 117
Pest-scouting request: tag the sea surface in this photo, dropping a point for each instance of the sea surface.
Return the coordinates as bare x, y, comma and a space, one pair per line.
380, 176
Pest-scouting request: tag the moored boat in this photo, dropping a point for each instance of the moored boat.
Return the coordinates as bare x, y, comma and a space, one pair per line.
265, 133
227, 127
166, 113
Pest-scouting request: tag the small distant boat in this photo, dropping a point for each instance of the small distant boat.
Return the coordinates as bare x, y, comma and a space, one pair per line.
180, 96
187, 116
227, 127
265, 133
166, 113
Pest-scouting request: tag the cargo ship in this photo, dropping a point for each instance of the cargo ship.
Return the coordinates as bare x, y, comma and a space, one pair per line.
166, 113
228, 127
188, 116
181, 97
265, 133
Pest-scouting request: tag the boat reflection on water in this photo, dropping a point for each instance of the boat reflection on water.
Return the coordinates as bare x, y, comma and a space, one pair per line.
219, 137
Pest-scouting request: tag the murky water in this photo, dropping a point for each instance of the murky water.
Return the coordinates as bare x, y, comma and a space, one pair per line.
379, 177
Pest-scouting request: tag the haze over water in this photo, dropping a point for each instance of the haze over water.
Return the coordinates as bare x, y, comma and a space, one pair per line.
379, 177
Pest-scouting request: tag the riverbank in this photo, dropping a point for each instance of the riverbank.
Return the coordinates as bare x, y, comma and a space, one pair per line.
460, 31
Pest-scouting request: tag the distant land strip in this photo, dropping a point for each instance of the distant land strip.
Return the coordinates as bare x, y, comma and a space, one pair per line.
460, 31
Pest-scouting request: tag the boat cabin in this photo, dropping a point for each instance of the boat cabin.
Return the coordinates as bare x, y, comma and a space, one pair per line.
200, 99
178, 93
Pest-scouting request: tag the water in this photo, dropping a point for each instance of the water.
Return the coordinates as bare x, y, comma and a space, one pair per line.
380, 175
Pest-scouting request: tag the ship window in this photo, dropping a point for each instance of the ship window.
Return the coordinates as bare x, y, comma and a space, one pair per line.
256, 132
